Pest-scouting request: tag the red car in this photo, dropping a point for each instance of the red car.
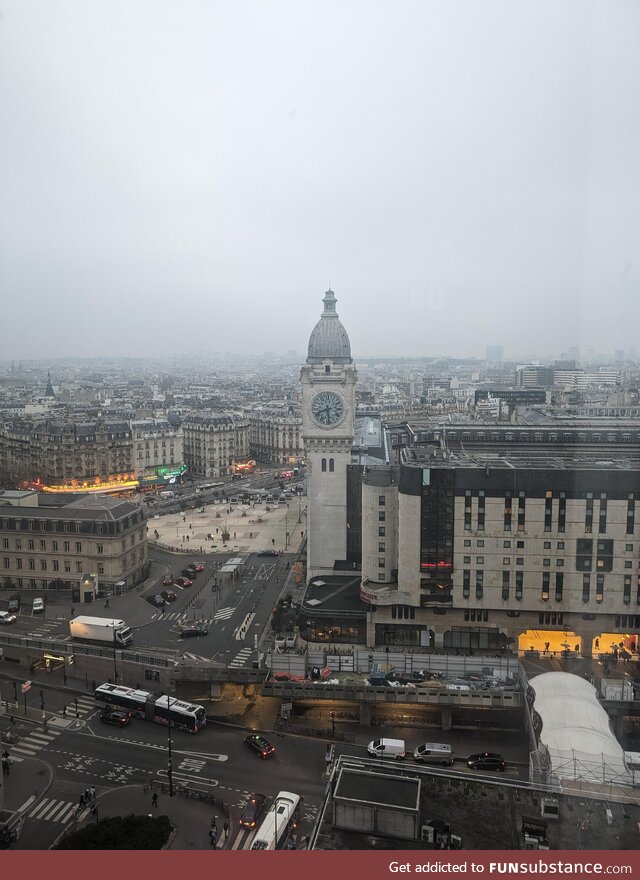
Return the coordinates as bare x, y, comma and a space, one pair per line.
167, 580
184, 582
197, 565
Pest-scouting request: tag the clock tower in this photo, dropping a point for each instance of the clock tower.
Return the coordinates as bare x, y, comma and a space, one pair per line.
328, 426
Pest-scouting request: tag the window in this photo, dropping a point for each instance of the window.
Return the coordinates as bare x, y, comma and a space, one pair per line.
43, 545
520, 545
519, 560
626, 595
519, 584
54, 546
481, 511
586, 587
604, 555
381, 531
18, 563
546, 578
547, 545
631, 515
467, 560
584, 554
5, 543
79, 567
602, 519
67, 566
506, 577
479, 584
588, 514
546, 562
467, 511
480, 543
506, 560
479, 560
628, 563
6, 562
32, 564
559, 585
506, 544
324, 464
521, 511
507, 512
56, 565
78, 547
466, 583
381, 516
67, 547
628, 548
562, 511
382, 500
43, 565
31, 545
100, 548
599, 587
381, 562
331, 465
559, 563
548, 510
560, 545
467, 543
381, 547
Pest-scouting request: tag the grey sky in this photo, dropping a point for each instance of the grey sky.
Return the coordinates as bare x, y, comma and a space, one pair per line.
189, 175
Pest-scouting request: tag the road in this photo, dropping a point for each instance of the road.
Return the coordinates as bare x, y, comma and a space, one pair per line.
215, 759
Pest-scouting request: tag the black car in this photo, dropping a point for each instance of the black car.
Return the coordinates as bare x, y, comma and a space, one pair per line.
118, 717
157, 600
486, 761
268, 553
259, 745
188, 573
253, 810
188, 632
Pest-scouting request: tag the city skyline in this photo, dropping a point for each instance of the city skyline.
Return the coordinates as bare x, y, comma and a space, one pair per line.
461, 176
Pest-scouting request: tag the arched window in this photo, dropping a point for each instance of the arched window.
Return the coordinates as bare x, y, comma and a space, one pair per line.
331, 465
324, 464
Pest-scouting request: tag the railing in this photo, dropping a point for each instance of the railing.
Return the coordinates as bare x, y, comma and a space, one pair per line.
186, 791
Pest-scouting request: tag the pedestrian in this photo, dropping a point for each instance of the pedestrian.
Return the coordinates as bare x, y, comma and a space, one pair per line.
6, 768
306, 840
81, 801
93, 792
190, 526
64, 711
213, 838
154, 799
87, 795
94, 811
93, 684
225, 828
106, 604
214, 823
73, 611
597, 644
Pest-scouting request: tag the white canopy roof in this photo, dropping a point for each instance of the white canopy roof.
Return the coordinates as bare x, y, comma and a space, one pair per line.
576, 731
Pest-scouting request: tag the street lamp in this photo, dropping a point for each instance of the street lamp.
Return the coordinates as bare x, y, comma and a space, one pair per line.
169, 764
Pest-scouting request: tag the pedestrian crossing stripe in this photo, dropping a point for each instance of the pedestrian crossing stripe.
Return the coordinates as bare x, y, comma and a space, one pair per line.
241, 658
52, 810
224, 613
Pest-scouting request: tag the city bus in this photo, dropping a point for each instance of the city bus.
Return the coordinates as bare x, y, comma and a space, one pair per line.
279, 822
143, 704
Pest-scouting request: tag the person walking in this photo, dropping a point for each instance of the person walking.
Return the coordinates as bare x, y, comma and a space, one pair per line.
94, 811
92, 791
225, 829
81, 800
64, 711
213, 838
154, 799
87, 795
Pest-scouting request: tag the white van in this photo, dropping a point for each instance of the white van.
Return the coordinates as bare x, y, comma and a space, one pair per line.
387, 748
38, 606
434, 753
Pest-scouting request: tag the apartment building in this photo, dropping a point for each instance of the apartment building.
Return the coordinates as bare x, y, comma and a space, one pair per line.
214, 442
275, 434
156, 443
51, 541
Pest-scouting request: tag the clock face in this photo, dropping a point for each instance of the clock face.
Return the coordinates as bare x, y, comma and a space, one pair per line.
327, 408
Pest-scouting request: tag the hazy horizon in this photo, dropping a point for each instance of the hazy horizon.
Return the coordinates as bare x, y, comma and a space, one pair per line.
189, 176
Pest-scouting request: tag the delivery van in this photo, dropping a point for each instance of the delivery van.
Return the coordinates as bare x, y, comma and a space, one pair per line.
387, 748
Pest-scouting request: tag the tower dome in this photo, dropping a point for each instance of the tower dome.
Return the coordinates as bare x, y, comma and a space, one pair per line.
329, 338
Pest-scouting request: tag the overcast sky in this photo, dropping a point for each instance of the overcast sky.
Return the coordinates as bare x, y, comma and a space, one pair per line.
192, 175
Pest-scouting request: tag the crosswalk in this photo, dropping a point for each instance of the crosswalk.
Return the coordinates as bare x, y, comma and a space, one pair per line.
224, 613
52, 810
38, 739
241, 658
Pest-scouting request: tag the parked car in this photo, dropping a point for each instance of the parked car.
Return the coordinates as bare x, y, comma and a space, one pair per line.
38, 606
167, 580
118, 717
486, 761
14, 604
184, 581
252, 811
268, 553
188, 632
198, 566
259, 745
5, 617
188, 573
169, 596
434, 753
157, 600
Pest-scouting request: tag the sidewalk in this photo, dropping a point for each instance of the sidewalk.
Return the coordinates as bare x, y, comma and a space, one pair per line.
28, 780
190, 818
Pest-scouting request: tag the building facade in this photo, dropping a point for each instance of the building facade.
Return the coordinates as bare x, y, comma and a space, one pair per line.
156, 443
50, 542
214, 442
276, 434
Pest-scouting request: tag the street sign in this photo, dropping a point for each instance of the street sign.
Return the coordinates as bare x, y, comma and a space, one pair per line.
25, 687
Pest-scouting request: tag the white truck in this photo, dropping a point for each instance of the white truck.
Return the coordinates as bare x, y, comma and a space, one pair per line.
101, 629
167, 494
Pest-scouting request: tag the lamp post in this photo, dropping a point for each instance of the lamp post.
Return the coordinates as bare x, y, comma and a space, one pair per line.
286, 531
169, 763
